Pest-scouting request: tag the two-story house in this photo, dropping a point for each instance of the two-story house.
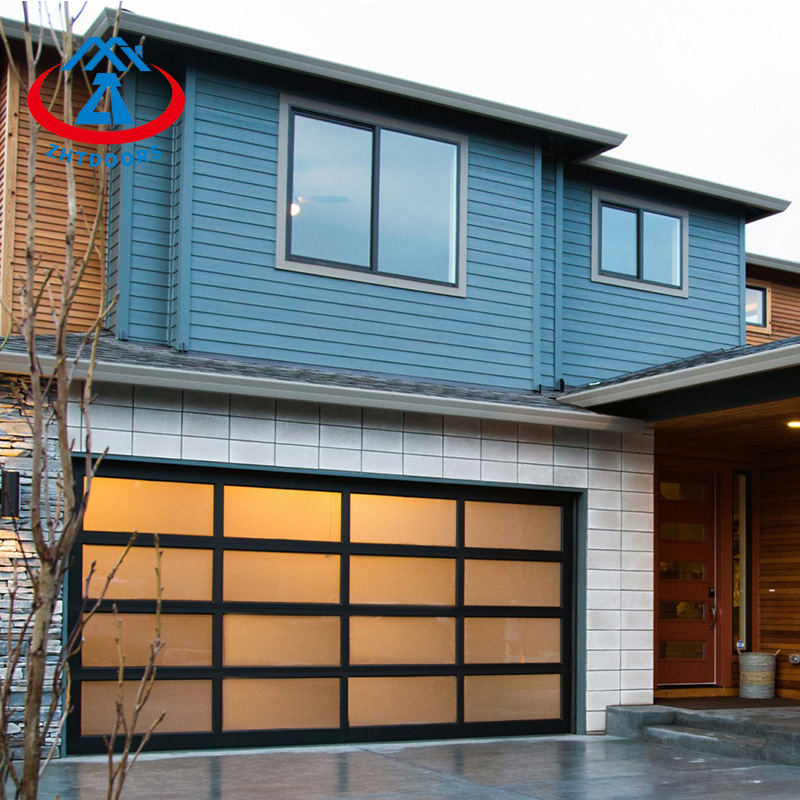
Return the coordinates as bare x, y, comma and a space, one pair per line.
392, 373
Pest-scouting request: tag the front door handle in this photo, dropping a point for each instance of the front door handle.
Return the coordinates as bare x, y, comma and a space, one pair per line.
712, 615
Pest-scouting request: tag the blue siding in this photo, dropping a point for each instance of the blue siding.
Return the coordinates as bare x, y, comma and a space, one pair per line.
610, 330
201, 247
242, 306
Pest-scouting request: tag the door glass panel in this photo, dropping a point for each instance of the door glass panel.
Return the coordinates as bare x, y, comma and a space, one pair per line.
513, 525
331, 191
281, 577
124, 505
187, 706
258, 513
682, 531
185, 572
256, 640
511, 640
402, 520
250, 704
741, 551
681, 609
186, 637
404, 581
682, 570
683, 492
402, 640
512, 583
402, 701
681, 649
505, 697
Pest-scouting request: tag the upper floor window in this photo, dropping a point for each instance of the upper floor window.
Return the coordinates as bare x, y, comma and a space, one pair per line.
639, 244
757, 306
367, 198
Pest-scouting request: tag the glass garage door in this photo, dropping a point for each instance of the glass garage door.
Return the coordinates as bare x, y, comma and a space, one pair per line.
319, 609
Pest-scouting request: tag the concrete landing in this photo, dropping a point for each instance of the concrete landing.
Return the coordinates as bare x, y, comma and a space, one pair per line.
768, 733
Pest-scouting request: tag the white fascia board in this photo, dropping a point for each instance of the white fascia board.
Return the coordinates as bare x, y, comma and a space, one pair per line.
231, 383
750, 364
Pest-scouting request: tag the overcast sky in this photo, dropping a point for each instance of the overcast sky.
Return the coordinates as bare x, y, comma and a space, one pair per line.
710, 88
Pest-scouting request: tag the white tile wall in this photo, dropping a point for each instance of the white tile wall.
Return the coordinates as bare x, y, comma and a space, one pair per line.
615, 469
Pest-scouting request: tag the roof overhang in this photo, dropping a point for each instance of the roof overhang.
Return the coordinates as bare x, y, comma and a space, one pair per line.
585, 139
757, 377
756, 206
233, 383
769, 262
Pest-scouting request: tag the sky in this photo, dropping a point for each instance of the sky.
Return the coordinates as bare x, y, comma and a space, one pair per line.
708, 88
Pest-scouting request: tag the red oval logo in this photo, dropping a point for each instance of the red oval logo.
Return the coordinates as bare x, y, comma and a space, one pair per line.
75, 134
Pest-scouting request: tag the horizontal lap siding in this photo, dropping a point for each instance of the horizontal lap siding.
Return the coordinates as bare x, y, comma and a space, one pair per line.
151, 221
242, 306
610, 330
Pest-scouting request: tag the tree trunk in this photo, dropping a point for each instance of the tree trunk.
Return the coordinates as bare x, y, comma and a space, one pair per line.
44, 602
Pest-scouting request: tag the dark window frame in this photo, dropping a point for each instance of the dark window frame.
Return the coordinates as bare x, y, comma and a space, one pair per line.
765, 289
291, 106
639, 206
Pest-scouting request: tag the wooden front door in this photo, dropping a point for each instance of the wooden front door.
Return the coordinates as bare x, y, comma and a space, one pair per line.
686, 575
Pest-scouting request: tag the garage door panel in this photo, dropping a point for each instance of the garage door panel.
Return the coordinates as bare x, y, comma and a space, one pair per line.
332, 609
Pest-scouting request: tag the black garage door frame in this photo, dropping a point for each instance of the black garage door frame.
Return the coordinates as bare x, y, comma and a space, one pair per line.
346, 484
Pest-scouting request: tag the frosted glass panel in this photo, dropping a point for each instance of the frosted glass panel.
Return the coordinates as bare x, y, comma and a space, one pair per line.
512, 640
513, 525
404, 581
402, 640
258, 513
124, 505
512, 583
250, 704
186, 637
402, 701
507, 697
253, 640
402, 520
281, 577
185, 573
187, 705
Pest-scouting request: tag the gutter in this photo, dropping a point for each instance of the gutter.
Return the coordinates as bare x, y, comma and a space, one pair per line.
231, 383
769, 262
736, 367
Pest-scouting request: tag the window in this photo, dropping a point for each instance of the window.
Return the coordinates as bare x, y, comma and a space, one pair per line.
757, 306
639, 245
367, 198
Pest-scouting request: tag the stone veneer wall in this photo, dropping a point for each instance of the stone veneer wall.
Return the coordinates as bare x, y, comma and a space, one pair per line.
616, 470
16, 446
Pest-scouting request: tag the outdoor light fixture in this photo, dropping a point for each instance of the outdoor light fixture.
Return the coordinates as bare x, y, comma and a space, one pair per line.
9, 494
794, 423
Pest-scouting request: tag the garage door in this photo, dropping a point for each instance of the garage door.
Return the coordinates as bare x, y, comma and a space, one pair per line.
302, 609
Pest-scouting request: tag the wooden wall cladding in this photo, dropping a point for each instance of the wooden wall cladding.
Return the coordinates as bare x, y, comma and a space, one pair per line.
51, 207
785, 289
779, 570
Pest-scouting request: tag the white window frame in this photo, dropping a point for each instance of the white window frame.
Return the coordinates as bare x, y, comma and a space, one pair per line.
289, 103
638, 203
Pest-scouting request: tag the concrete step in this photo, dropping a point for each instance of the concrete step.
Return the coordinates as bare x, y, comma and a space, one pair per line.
708, 741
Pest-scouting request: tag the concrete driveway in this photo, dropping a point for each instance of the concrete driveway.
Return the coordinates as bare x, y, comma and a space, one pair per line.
549, 768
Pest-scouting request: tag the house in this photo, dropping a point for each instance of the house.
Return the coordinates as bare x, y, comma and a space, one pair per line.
392, 374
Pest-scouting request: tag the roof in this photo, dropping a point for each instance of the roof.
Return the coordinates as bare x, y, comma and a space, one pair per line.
756, 206
158, 365
773, 263
586, 140
718, 365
